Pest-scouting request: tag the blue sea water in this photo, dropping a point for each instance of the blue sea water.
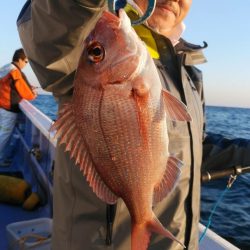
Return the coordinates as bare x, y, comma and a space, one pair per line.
231, 219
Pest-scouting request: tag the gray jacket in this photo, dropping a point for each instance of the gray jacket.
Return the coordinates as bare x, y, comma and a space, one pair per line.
52, 33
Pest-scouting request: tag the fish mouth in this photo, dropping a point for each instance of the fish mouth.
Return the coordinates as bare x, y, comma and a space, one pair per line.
117, 82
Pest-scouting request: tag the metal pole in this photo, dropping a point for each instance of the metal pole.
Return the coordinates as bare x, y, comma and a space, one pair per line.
208, 176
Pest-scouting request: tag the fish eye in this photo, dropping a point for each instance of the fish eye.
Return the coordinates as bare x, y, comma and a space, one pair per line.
96, 52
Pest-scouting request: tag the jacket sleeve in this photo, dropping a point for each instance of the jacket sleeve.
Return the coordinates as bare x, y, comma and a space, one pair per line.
22, 87
52, 35
221, 153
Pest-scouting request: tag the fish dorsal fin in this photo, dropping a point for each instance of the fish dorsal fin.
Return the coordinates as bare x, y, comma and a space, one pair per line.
176, 110
67, 133
169, 179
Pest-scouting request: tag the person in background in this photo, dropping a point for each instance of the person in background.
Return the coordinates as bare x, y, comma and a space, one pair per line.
14, 87
80, 219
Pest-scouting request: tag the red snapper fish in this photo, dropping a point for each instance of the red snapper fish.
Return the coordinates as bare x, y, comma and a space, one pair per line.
115, 125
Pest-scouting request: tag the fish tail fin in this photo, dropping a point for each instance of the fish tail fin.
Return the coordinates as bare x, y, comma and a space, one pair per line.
155, 226
141, 233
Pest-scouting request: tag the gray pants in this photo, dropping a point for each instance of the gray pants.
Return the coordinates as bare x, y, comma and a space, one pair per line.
7, 124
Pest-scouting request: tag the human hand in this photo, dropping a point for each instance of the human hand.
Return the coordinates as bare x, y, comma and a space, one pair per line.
34, 90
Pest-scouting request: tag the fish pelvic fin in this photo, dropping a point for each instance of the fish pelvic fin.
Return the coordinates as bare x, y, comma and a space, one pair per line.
141, 234
176, 110
169, 180
67, 133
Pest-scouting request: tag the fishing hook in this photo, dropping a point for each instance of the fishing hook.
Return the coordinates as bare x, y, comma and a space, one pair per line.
115, 5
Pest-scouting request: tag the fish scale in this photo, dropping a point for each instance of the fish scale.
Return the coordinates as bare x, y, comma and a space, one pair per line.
129, 133
89, 104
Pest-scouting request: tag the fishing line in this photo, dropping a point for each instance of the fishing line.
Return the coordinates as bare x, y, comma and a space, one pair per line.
231, 180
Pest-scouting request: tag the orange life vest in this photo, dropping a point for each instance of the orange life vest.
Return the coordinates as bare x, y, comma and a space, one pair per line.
13, 88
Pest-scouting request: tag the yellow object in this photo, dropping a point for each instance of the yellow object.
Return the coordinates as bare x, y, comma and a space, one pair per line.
13, 190
31, 202
144, 33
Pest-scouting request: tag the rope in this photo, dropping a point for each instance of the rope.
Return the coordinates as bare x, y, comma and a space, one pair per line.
231, 180
38, 240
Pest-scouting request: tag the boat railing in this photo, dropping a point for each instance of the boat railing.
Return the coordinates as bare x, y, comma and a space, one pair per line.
39, 119
37, 151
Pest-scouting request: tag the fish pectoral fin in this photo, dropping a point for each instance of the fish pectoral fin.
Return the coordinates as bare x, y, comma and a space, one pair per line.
67, 133
169, 180
176, 110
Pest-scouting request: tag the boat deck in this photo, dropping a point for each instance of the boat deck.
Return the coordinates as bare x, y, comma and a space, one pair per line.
10, 214
30, 134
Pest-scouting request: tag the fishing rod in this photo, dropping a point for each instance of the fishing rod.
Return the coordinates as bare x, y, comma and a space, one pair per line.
208, 176
115, 5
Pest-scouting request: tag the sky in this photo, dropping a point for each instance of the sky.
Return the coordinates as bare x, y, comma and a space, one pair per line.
223, 24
